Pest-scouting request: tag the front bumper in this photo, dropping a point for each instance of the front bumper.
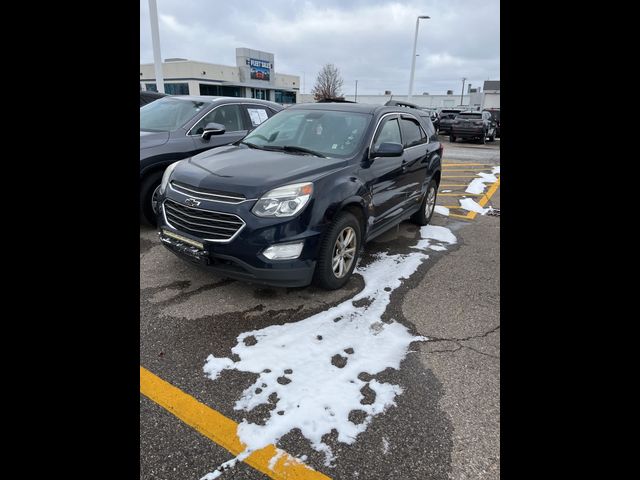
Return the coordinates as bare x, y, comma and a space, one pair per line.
241, 257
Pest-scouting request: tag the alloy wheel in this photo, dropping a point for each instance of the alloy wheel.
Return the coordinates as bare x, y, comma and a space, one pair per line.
344, 252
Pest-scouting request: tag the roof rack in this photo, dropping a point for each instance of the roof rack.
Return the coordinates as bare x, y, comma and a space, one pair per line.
396, 103
334, 100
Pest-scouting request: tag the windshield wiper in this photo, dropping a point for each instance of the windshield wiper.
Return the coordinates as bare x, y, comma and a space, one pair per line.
294, 148
253, 145
283, 148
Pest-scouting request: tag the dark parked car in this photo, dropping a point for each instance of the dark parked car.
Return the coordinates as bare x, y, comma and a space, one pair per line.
294, 201
148, 97
445, 120
177, 127
474, 125
495, 114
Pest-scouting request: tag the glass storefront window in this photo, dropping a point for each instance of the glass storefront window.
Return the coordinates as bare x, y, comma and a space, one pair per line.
259, 93
285, 97
176, 88
220, 90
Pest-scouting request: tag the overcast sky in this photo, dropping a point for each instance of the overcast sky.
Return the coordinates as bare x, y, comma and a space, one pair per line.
368, 40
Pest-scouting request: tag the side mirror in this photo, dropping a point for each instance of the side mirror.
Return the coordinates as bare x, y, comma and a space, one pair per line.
387, 149
212, 129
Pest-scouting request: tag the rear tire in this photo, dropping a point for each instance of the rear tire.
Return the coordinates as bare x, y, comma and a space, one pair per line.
427, 207
147, 187
325, 276
492, 138
452, 138
483, 140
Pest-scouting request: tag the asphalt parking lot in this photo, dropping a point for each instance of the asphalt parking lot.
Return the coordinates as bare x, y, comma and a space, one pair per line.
442, 421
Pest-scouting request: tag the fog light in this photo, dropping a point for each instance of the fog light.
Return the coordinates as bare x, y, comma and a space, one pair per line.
285, 251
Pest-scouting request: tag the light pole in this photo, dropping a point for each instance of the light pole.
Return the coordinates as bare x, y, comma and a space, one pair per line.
413, 58
155, 40
462, 93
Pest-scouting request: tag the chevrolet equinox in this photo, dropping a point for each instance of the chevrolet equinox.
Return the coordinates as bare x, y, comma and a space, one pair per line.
293, 202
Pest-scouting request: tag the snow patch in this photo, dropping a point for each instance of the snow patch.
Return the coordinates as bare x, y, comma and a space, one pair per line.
477, 186
298, 361
442, 210
385, 445
470, 205
275, 458
447, 191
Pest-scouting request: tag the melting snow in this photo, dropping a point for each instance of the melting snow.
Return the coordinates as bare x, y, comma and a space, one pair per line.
477, 186
442, 210
275, 458
447, 191
313, 365
472, 206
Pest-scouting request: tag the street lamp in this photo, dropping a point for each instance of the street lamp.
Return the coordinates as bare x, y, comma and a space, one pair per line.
413, 58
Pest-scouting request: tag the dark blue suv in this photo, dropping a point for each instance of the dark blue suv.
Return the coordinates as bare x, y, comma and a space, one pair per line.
294, 201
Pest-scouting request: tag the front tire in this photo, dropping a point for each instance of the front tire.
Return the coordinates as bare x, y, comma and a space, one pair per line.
427, 207
452, 138
338, 253
147, 188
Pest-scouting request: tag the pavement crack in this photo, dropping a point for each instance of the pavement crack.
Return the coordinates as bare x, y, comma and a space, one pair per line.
481, 353
456, 340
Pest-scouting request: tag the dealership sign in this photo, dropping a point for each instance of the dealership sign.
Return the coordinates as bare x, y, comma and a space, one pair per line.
260, 69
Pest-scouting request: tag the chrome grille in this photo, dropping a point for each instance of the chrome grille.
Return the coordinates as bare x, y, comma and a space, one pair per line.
205, 194
205, 224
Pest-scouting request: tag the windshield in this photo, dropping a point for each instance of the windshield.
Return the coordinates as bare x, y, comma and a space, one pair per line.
327, 133
448, 116
168, 114
475, 116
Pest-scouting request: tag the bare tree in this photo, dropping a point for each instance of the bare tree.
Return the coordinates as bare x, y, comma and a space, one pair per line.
328, 83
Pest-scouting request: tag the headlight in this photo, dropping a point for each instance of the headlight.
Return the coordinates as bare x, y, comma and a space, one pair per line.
284, 201
165, 177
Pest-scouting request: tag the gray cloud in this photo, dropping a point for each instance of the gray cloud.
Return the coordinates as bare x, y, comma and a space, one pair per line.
369, 41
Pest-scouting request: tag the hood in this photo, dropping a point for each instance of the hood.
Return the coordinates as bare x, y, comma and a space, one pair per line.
153, 139
249, 171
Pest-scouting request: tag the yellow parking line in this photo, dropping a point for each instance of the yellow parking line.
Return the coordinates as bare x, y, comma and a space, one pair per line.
466, 217
461, 194
483, 202
463, 164
221, 430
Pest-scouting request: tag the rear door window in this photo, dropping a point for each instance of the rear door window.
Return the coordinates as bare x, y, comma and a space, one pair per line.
258, 114
412, 133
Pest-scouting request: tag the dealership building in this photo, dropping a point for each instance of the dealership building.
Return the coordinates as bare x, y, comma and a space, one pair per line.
253, 76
